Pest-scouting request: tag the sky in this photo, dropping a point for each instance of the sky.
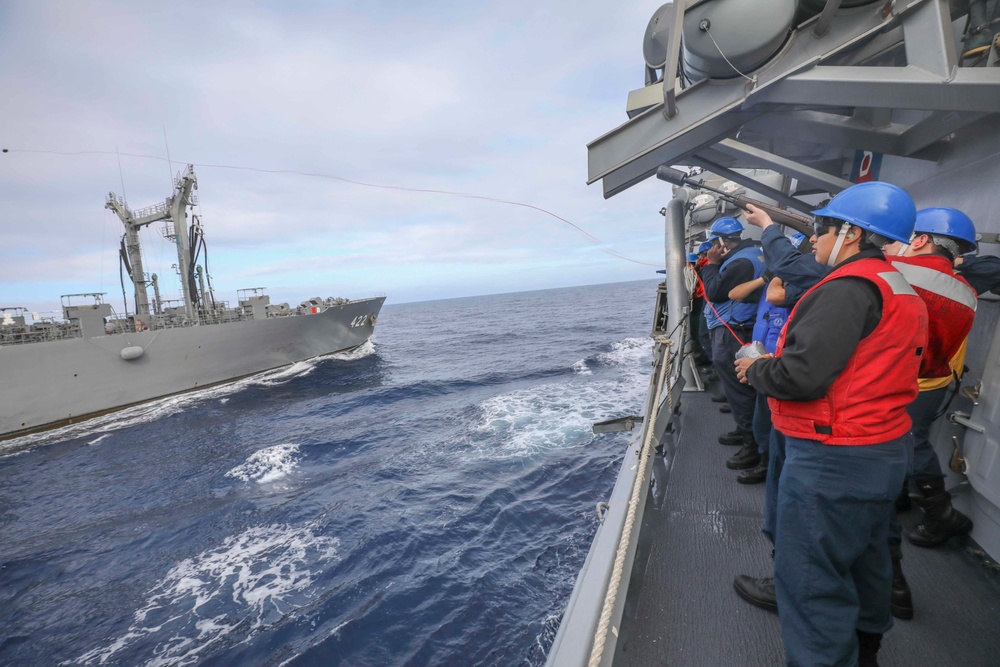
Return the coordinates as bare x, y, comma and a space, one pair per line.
493, 99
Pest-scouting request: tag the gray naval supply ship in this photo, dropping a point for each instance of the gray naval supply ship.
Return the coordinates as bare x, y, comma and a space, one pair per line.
818, 94
60, 372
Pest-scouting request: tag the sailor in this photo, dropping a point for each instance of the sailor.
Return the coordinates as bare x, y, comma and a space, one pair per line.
940, 235
772, 312
732, 260
792, 261
699, 330
845, 369
951, 306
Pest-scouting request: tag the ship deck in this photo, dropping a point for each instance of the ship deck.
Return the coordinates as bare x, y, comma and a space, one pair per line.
701, 528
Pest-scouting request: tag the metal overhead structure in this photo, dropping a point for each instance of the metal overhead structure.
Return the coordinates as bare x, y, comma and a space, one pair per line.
832, 89
173, 210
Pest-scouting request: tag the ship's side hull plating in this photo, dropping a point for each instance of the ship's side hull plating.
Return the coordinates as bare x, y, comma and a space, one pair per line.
58, 382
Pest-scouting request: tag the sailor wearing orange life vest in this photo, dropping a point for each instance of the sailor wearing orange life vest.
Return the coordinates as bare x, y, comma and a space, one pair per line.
939, 236
845, 369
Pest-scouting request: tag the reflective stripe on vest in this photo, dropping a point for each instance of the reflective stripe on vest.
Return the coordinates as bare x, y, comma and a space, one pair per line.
951, 307
939, 283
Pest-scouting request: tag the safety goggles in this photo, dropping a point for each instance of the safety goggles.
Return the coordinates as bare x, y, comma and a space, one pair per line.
822, 225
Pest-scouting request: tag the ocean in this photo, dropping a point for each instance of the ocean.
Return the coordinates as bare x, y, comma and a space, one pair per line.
427, 499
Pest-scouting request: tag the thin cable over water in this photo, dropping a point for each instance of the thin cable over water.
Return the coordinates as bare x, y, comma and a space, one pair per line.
350, 181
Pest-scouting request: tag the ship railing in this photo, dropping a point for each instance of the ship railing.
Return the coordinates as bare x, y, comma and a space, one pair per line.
155, 209
38, 333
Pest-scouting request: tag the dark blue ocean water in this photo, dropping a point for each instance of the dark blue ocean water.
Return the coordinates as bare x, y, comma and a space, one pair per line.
425, 500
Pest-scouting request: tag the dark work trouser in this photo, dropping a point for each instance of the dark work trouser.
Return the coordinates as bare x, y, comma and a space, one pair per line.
833, 575
762, 424
700, 342
922, 411
776, 461
925, 465
741, 397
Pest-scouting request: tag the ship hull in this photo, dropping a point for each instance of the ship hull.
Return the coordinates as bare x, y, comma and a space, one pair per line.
50, 384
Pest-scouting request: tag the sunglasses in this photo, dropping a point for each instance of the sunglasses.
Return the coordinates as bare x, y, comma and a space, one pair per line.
823, 225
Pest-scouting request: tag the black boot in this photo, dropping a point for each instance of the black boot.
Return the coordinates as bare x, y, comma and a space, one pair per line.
868, 646
941, 520
744, 459
732, 438
901, 602
758, 592
747, 457
756, 475
719, 398
725, 408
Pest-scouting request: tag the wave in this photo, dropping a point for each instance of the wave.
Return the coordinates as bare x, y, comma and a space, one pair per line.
267, 465
252, 580
523, 422
366, 349
626, 352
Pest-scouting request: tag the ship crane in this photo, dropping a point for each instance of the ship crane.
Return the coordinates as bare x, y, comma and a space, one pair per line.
172, 209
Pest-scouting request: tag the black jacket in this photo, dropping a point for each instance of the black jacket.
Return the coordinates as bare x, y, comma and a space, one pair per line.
821, 337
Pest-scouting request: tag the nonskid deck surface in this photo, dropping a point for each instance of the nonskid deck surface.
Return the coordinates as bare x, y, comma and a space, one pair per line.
708, 531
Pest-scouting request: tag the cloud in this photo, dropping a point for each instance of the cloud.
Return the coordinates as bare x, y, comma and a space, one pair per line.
493, 99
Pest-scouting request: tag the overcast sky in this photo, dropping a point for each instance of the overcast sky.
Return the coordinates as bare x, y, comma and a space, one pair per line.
497, 99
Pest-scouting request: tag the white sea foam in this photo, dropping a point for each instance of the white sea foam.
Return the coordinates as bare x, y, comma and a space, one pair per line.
251, 580
366, 349
553, 415
581, 368
629, 351
267, 465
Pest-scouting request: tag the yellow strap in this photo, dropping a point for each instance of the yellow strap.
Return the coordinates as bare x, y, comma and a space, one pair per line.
957, 363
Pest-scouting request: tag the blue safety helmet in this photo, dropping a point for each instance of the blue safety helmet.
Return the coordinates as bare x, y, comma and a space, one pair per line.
725, 227
879, 207
692, 257
798, 239
948, 222
704, 247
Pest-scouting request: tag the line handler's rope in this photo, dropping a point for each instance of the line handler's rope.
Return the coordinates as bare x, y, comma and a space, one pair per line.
719, 317
607, 610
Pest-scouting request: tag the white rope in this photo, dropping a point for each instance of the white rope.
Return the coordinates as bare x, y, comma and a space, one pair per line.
600, 639
690, 278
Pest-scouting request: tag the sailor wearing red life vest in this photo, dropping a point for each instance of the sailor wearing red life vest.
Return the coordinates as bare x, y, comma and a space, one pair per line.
845, 369
939, 236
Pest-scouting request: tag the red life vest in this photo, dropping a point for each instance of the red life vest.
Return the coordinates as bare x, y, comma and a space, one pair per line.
951, 308
699, 288
866, 404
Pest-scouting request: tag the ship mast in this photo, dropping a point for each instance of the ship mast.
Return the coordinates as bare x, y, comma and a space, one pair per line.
173, 209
